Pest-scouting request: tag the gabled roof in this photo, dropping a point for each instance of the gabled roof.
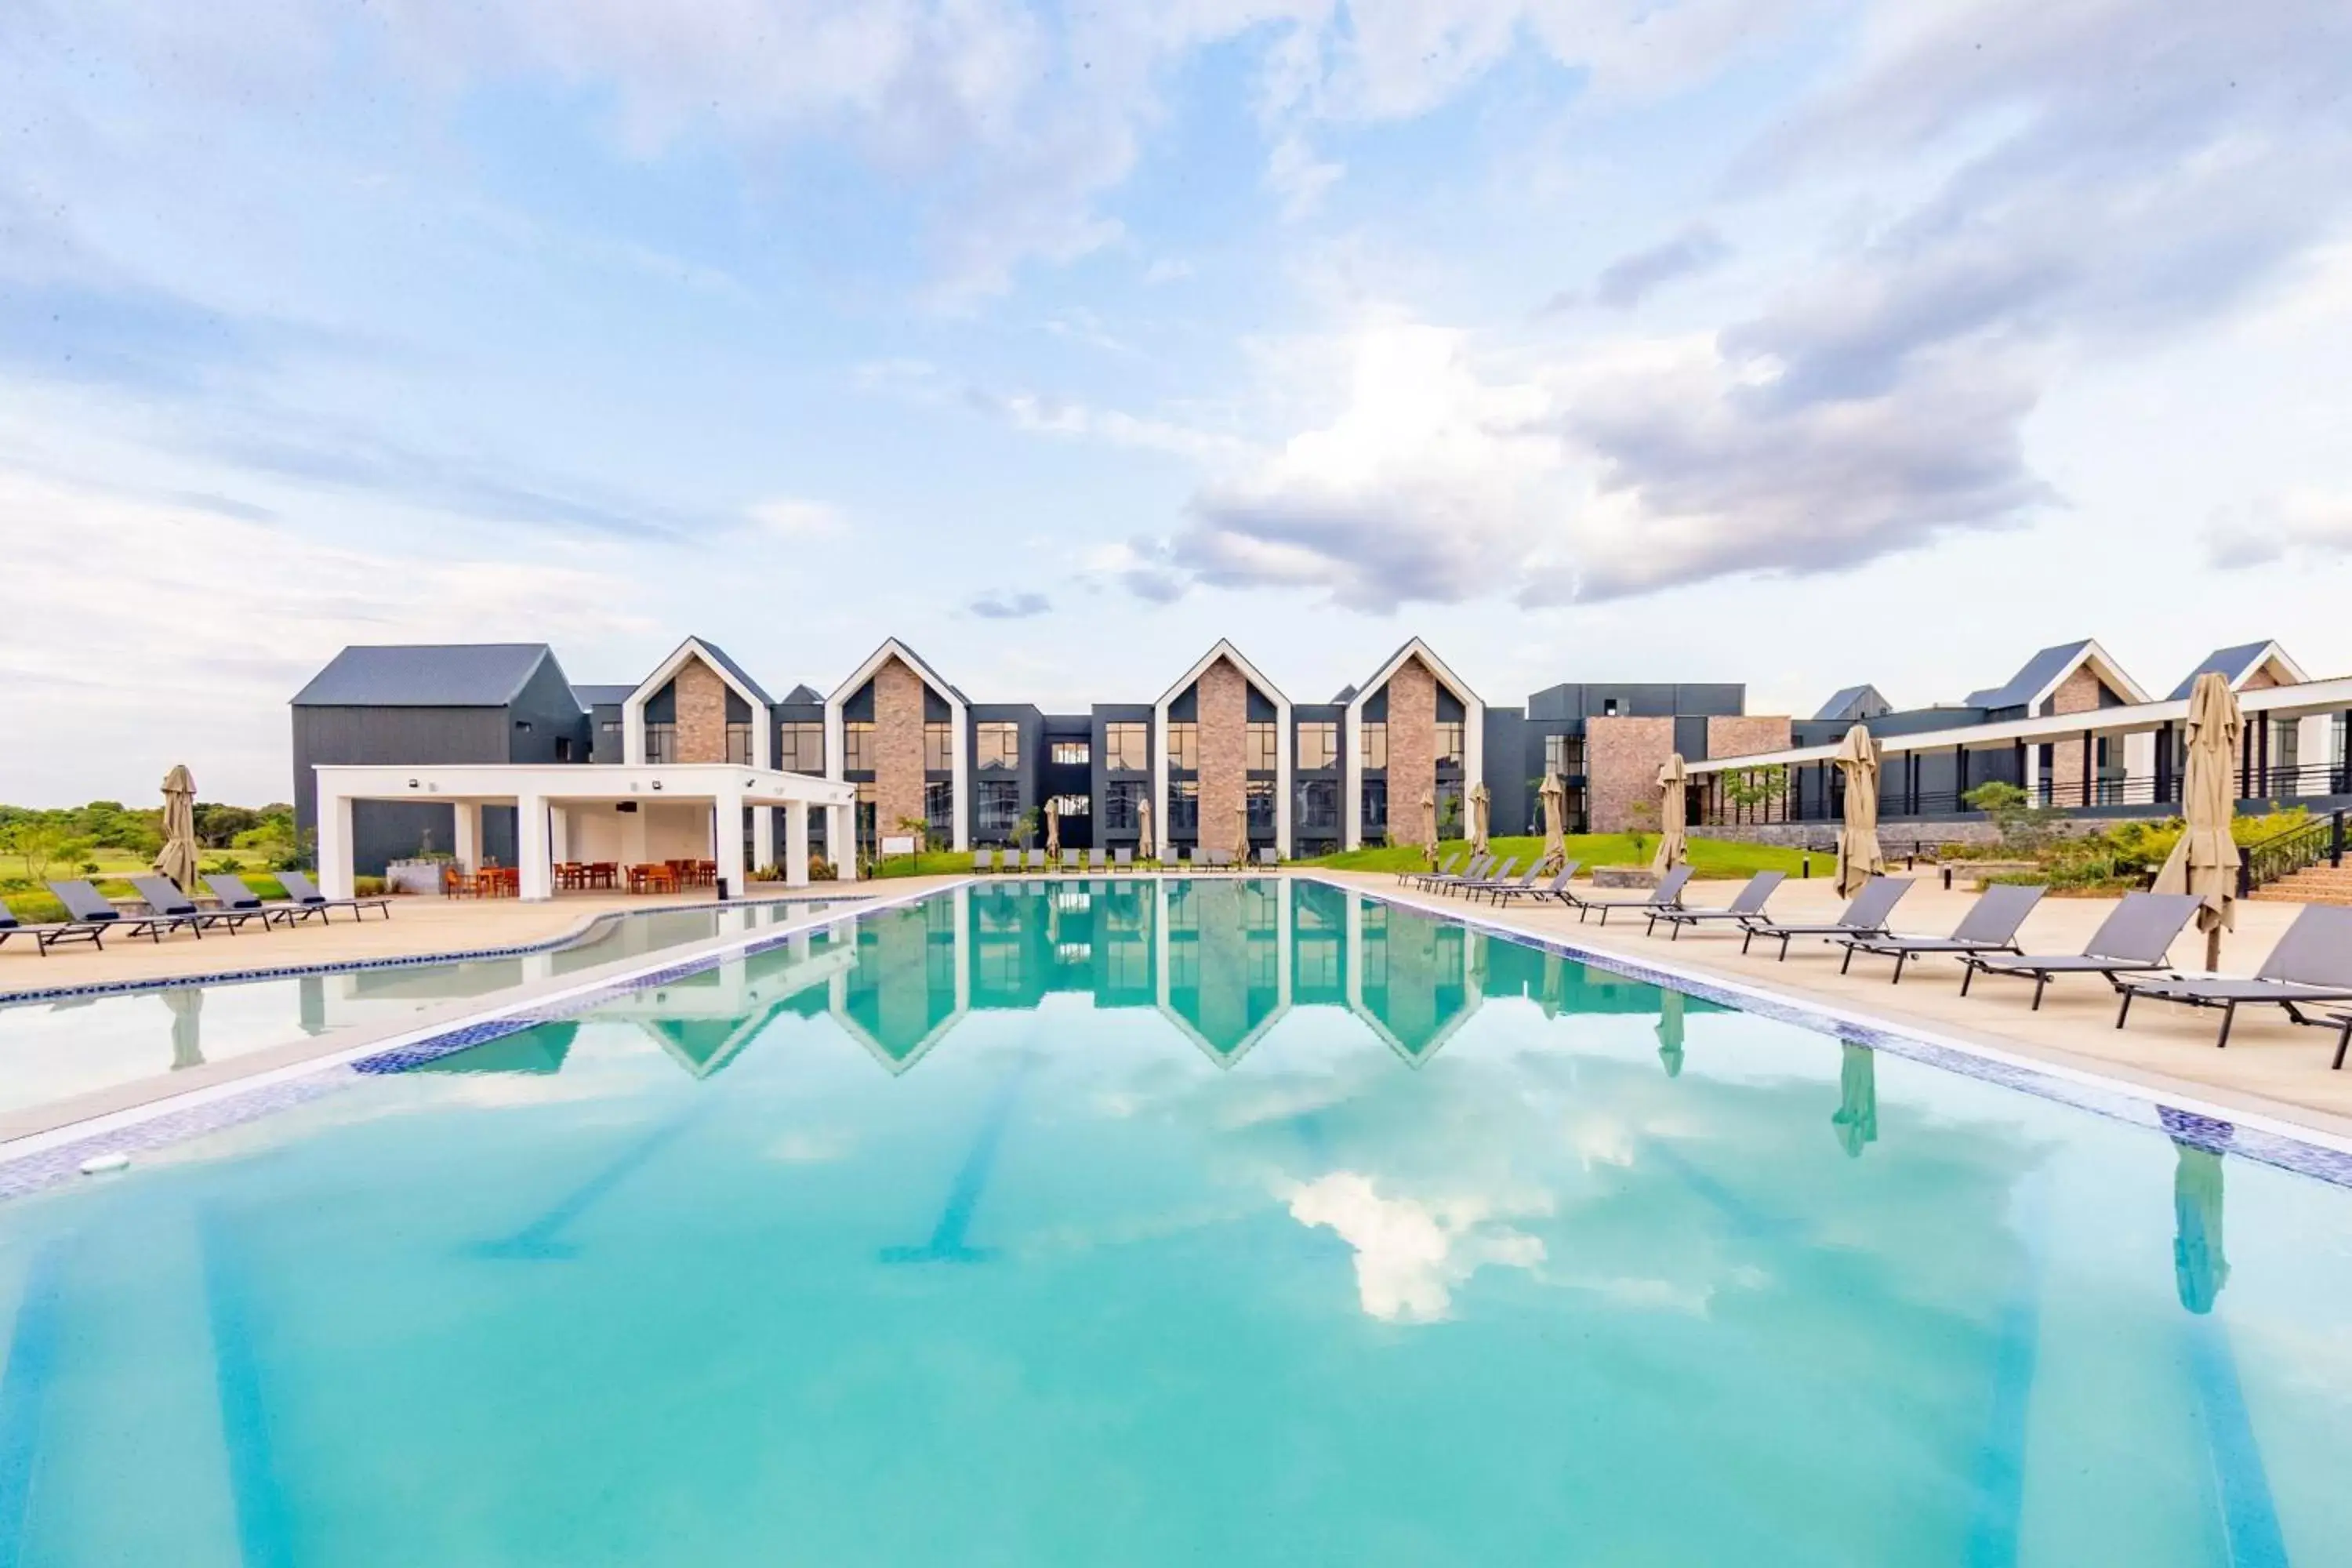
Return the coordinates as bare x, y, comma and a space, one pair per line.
734, 674
426, 675
892, 647
1225, 650
601, 696
2235, 664
2045, 670
1856, 702
1415, 646
804, 693
1347, 695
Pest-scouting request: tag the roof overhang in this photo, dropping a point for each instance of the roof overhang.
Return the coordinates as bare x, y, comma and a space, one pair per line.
688, 782
633, 709
2104, 666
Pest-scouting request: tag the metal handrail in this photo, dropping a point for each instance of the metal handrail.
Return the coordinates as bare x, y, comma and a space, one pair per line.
2282, 855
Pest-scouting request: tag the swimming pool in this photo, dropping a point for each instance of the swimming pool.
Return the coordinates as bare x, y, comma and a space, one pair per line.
55, 1047
1176, 1223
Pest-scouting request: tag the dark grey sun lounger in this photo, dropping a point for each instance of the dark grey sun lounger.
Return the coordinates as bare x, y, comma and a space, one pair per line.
1551, 890
1748, 906
1471, 887
85, 905
1418, 875
1496, 889
1443, 881
2343, 1038
164, 899
2312, 963
300, 890
230, 889
1864, 916
45, 937
1666, 895
1990, 926
2132, 940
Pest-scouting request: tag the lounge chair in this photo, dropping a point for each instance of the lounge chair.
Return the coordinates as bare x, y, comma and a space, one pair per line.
1418, 875
1439, 882
1746, 906
1035, 861
1097, 861
2343, 1038
300, 890
45, 937
1268, 858
163, 897
1526, 889
1122, 859
1990, 926
983, 861
1666, 895
2312, 963
2134, 940
85, 905
233, 894
1494, 891
1208, 860
1498, 877
1073, 860
1865, 915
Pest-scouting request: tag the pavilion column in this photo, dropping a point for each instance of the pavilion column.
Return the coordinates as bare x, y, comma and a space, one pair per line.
335, 873
727, 814
796, 845
534, 864
764, 836
559, 829
469, 848
841, 840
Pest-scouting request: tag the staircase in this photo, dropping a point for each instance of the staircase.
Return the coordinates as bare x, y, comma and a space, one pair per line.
2320, 884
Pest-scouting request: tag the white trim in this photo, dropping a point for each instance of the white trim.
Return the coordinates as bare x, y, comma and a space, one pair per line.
632, 707
1284, 746
2109, 671
2270, 650
1473, 733
836, 735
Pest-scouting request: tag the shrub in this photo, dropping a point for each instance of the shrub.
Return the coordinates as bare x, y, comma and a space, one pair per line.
367, 886
821, 869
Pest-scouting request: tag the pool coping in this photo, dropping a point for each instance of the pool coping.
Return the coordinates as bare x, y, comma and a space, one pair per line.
35, 1161
40, 1159
398, 961
2206, 1124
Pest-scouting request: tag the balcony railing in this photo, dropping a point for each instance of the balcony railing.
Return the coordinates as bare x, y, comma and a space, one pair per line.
1816, 792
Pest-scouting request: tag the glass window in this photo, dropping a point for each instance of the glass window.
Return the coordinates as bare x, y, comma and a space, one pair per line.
939, 748
1184, 745
661, 743
739, 745
1000, 745
1072, 753
1259, 748
999, 807
1184, 807
1259, 795
803, 749
1126, 748
1376, 805
1075, 804
1449, 741
1319, 804
1376, 746
1120, 799
1318, 744
939, 808
858, 747
1564, 755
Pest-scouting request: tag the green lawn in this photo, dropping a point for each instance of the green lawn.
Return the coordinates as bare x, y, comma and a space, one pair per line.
34, 905
1715, 858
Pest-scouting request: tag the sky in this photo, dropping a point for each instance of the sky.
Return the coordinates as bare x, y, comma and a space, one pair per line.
1796, 342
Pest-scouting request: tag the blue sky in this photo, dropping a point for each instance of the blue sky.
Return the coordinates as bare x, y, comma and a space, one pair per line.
1789, 341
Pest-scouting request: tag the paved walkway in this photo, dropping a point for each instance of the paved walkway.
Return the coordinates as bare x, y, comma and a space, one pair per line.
2271, 1067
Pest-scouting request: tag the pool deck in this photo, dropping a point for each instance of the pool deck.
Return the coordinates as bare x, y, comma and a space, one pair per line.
2272, 1068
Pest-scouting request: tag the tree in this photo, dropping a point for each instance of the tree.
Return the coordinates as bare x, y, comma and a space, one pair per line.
1641, 821
1755, 789
2025, 829
40, 846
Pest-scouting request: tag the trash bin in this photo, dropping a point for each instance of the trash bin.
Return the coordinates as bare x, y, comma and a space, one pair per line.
722, 889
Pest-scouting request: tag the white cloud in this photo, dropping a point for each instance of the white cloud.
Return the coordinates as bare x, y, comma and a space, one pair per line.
789, 518
1411, 1255
2306, 526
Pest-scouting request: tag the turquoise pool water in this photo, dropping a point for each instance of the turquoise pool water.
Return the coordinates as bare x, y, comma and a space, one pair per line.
52, 1050
1236, 1223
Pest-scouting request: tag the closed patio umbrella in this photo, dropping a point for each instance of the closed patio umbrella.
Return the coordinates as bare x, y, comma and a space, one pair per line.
1145, 849
1429, 826
1241, 830
2200, 1266
184, 1002
1856, 1118
1859, 856
1555, 811
1482, 806
2205, 861
178, 860
1673, 847
1670, 1033
1054, 828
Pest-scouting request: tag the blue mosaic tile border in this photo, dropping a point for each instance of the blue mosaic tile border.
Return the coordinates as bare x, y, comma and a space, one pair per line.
28, 1173
2317, 1160
409, 961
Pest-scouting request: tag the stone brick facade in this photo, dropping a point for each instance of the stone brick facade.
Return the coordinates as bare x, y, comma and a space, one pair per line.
1622, 758
2078, 693
702, 713
1413, 749
1223, 694
1747, 735
897, 746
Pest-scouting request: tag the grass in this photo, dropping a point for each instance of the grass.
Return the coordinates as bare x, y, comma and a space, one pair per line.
1709, 857
35, 906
